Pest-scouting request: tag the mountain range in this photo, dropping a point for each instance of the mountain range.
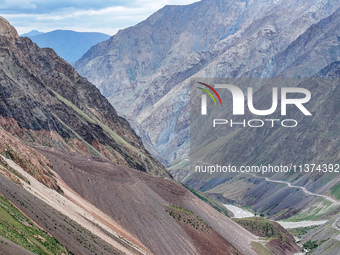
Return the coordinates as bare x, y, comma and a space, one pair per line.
76, 179
68, 44
32, 33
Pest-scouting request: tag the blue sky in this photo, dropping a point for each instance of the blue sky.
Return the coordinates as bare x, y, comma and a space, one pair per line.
107, 16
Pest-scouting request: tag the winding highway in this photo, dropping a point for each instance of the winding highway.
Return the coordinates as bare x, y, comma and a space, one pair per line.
333, 201
336, 223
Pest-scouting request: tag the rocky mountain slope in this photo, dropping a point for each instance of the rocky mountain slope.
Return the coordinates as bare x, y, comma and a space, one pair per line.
77, 171
69, 45
151, 63
44, 100
314, 141
110, 209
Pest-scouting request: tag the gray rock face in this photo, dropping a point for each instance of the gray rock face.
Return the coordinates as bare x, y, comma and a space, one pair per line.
145, 70
7, 30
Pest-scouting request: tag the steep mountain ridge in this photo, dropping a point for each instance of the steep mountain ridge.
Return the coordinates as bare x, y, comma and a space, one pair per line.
45, 100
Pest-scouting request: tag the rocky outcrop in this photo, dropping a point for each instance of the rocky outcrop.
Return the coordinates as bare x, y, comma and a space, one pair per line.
7, 30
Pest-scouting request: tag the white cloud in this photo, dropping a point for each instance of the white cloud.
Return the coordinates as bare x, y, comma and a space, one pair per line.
86, 15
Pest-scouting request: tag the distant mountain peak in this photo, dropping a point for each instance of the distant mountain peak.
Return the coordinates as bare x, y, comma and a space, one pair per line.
68, 44
32, 33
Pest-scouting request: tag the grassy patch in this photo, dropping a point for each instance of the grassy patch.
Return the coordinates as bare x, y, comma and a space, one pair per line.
94, 120
274, 235
125, 145
183, 215
336, 191
180, 209
261, 227
311, 246
17, 228
322, 207
179, 164
299, 232
75, 108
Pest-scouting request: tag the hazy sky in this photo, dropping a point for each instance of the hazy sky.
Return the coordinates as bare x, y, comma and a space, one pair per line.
107, 16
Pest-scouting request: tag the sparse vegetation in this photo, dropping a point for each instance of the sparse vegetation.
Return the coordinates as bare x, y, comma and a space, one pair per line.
186, 216
17, 228
299, 232
315, 212
311, 246
336, 191
261, 227
276, 237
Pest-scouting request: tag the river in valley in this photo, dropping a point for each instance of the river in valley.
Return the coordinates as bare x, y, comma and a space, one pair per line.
242, 213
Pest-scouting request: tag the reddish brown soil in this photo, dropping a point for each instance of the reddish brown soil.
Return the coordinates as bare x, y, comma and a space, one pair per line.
135, 201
